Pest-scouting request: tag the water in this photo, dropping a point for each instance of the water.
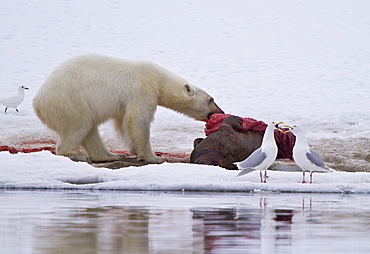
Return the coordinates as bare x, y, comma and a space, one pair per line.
158, 222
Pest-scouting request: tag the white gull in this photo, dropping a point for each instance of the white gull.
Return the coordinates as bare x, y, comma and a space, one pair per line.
263, 157
306, 158
14, 100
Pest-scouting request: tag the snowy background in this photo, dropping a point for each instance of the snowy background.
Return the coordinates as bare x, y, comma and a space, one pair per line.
304, 62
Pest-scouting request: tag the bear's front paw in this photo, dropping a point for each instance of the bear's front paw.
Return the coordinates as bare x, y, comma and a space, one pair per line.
156, 160
151, 160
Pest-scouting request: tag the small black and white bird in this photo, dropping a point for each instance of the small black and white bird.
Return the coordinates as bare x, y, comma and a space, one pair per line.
306, 158
262, 158
15, 100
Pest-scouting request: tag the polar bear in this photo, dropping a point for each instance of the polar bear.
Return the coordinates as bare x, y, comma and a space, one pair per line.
87, 90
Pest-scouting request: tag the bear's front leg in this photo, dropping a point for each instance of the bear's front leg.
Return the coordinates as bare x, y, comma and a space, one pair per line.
139, 134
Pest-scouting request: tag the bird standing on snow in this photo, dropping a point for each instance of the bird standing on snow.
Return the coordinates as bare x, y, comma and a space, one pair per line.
306, 158
263, 157
14, 100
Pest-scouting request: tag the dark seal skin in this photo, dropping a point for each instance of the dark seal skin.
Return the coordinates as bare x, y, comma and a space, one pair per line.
227, 145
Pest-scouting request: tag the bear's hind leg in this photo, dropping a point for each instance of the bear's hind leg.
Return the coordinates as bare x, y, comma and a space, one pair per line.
96, 149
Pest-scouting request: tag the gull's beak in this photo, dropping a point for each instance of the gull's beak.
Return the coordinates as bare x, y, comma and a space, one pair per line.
289, 128
277, 126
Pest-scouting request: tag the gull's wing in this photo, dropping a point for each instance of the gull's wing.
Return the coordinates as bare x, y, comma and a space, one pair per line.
246, 171
249, 164
11, 100
315, 159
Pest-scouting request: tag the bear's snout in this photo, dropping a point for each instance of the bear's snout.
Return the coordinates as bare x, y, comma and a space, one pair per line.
211, 113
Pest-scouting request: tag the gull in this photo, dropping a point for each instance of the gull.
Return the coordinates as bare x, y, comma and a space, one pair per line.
306, 158
14, 100
263, 157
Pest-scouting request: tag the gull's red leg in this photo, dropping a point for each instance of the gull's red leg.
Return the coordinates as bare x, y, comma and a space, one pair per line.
304, 177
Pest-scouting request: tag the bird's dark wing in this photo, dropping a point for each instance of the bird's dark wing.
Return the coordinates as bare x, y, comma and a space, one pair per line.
246, 171
249, 164
315, 159
253, 160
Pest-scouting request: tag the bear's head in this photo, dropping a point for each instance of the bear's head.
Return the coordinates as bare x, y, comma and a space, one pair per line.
178, 94
199, 104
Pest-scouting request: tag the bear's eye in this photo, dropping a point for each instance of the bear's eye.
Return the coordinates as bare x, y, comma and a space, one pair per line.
211, 101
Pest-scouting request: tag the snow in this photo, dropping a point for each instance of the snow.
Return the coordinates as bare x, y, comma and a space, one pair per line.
304, 62
32, 172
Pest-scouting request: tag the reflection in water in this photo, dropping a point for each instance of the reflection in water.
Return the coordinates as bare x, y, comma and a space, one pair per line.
283, 228
165, 223
228, 229
104, 230
114, 229
128, 229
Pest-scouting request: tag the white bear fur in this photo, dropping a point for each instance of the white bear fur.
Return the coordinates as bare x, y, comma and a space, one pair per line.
87, 90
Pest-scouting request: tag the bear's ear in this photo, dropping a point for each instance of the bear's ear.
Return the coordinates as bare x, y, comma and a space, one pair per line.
189, 90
